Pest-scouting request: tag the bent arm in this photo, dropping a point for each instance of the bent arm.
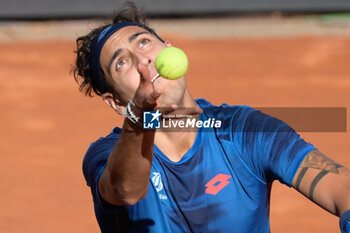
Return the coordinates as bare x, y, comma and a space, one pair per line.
124, 181
125, 178
324, 182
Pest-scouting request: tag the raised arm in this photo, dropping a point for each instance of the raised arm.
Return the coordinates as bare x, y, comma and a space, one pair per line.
124, 181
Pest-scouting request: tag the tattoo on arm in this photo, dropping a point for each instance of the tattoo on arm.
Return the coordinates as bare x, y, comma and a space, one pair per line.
316, 160
300, 177
315, 181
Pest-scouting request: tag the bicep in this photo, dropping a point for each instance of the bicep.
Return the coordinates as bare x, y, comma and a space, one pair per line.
323, 181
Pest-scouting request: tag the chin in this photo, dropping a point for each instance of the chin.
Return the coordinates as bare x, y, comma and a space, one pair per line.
173, 91
169, 98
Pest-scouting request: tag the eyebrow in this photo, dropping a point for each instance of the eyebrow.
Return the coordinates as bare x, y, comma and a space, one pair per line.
115, 55
118, 51
134, 36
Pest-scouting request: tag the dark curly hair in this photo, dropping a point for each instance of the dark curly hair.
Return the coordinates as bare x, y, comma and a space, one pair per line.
82, 71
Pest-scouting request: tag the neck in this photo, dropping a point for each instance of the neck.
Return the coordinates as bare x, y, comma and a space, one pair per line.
176, 142
186, 101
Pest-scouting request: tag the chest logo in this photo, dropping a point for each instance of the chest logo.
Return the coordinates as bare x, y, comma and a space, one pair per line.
157, 181
217, 183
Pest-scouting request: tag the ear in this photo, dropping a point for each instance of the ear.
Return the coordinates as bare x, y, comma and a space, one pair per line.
114, 103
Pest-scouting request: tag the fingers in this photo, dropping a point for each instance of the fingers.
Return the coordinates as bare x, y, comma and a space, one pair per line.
151, 100
144, 73
178, 113
155, 95
168, 109
146, 96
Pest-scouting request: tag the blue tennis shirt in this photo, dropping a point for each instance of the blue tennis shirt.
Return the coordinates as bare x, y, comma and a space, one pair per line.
222, 184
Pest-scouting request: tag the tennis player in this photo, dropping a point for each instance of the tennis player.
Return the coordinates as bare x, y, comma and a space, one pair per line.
214, 179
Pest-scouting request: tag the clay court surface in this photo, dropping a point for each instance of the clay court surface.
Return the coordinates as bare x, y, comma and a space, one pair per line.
47, 125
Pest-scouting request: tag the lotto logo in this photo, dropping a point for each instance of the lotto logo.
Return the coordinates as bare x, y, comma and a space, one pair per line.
151, 120
217, 183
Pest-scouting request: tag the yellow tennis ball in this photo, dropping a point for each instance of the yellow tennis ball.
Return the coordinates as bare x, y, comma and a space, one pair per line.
171, 63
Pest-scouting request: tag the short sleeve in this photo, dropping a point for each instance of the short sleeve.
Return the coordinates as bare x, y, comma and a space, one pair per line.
94, 163
269, 147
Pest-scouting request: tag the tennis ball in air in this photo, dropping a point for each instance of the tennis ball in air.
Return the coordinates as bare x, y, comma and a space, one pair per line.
171, 63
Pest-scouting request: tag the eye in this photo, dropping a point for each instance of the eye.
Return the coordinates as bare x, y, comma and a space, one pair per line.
120, 63
143, 42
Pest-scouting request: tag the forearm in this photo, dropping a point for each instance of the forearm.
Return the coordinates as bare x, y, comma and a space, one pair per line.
341, 193
327, 183
334, 191
126, 176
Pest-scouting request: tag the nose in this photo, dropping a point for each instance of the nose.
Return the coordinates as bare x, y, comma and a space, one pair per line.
143, 58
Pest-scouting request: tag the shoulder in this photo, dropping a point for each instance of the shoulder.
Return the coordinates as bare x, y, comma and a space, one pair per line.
109, 139
226, 113
211, 109
97, 154
238, 120
235, 112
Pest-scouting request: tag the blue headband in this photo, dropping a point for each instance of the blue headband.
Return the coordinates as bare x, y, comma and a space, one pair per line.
97, 47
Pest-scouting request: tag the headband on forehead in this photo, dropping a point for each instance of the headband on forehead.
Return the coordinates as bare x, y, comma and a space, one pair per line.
97, 47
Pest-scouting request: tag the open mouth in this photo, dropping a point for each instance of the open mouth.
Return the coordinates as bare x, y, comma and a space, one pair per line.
155, 77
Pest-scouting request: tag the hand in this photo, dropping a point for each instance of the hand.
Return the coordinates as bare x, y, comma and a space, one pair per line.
146, 98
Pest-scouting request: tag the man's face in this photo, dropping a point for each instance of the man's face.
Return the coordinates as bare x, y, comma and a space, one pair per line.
124, 51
